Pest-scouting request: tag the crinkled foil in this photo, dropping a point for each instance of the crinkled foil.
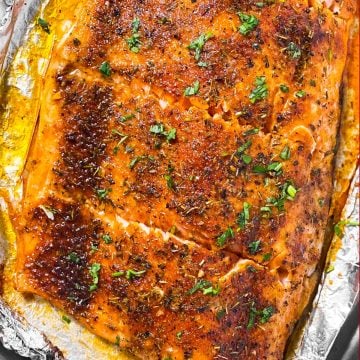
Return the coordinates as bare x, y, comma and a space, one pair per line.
336, 294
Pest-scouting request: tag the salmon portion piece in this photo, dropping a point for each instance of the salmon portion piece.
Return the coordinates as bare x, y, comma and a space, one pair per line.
177, 190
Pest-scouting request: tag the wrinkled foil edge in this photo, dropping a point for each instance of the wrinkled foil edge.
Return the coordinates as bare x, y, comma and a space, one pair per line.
339, 285
18, 336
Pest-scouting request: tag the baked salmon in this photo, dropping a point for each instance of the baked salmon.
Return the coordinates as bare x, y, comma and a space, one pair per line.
177, 190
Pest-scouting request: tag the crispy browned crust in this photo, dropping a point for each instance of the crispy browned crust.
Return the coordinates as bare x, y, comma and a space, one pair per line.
196, 184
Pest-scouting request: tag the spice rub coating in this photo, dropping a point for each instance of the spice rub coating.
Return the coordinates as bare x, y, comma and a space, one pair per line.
181, 207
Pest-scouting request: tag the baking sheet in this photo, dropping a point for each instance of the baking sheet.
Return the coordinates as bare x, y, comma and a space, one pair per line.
335, 298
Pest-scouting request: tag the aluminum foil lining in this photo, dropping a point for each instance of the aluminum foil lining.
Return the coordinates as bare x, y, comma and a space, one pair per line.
16, 335
336, 295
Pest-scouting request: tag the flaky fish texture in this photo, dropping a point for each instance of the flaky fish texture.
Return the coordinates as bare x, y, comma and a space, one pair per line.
177, 189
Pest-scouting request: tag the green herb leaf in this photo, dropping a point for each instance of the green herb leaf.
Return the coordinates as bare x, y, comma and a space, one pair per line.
338, 228
261, 90
105, 69
254, 247
266, 314
94, 273
198, 45
243, 147
131, 274
179, 335
171, 134
249, 23
170, 182
251, 132
293, 50
44, 25
192, 90
73, 257
213, 291
102, 194
224, 237
206, 287
284, 88
252, 318
291, 191
66, 319
135, 25
266, 257
159, 129
285, 153
244, 216
134, 43
247, 159
107, 239
300, 94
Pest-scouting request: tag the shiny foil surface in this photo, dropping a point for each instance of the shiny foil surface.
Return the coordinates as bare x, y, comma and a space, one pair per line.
33, 328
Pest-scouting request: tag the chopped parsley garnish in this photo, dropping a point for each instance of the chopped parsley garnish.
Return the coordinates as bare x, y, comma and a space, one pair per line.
338, 228
73, 257
300, 94
159, 129
274, 167
105, 69
249, 23
266, 257
179, 335
284, 88
129, 274
169, 181
243, 147
107, 238
264, 315
251, 132
94, 273
206, 287
225, 236
252, 318
102, 194
261, 90
135, 25
192, 90
293, 50
291, 191
247, 159
288, 192
198, 44
254, 247
244, 216
66, 319
44, 25
136, 159
285, 153
134, 42
127, 117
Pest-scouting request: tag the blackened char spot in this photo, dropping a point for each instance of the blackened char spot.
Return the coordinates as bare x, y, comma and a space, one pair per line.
86, 113
60, 265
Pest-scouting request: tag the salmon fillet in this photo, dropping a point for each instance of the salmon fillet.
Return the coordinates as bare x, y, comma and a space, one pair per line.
177, 190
